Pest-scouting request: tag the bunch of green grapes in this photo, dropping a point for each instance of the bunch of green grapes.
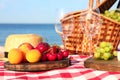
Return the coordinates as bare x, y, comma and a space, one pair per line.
113, 14
104, 51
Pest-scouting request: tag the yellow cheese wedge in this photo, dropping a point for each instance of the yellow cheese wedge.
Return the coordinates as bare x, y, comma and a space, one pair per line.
14, 40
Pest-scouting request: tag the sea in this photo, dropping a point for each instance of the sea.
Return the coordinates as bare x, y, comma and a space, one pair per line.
47, 31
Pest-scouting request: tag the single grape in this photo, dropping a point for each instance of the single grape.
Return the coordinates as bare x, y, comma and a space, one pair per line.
106, 12
101, 56
110, 45
102, 50
118, 19
103, 44
114, 17
96, 55
107, 49
107, 15
97, 49
115, 53
106, 56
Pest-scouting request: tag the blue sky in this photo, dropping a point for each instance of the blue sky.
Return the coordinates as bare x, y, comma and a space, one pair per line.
36, 11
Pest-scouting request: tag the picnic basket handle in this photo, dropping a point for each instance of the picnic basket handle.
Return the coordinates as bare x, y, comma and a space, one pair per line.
91, 4
97, 2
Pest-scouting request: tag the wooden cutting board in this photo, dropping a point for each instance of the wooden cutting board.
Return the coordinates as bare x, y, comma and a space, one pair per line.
109, 65
46, 65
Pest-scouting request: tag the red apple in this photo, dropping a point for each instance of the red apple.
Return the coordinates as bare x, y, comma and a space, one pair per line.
42, 47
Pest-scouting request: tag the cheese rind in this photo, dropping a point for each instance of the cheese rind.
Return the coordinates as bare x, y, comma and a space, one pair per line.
14, 40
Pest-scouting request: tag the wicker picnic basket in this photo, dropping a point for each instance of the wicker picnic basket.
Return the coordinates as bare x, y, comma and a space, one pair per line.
76, 42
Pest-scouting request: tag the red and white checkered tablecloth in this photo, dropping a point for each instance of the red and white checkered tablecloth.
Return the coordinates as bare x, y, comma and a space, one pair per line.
76, 71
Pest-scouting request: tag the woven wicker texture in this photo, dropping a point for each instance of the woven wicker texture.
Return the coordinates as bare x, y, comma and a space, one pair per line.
77, 41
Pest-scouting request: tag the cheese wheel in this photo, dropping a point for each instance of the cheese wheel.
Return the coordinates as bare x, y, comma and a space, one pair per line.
14, 40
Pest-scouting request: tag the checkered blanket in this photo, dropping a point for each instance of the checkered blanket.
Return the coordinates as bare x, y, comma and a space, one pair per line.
76, 71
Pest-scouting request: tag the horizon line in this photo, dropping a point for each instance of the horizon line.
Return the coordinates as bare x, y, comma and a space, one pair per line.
27, 23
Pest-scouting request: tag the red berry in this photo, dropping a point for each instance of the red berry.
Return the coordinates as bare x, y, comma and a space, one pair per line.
51, 56
44, 57
54, 49
65, 53
59, 56
43, 46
